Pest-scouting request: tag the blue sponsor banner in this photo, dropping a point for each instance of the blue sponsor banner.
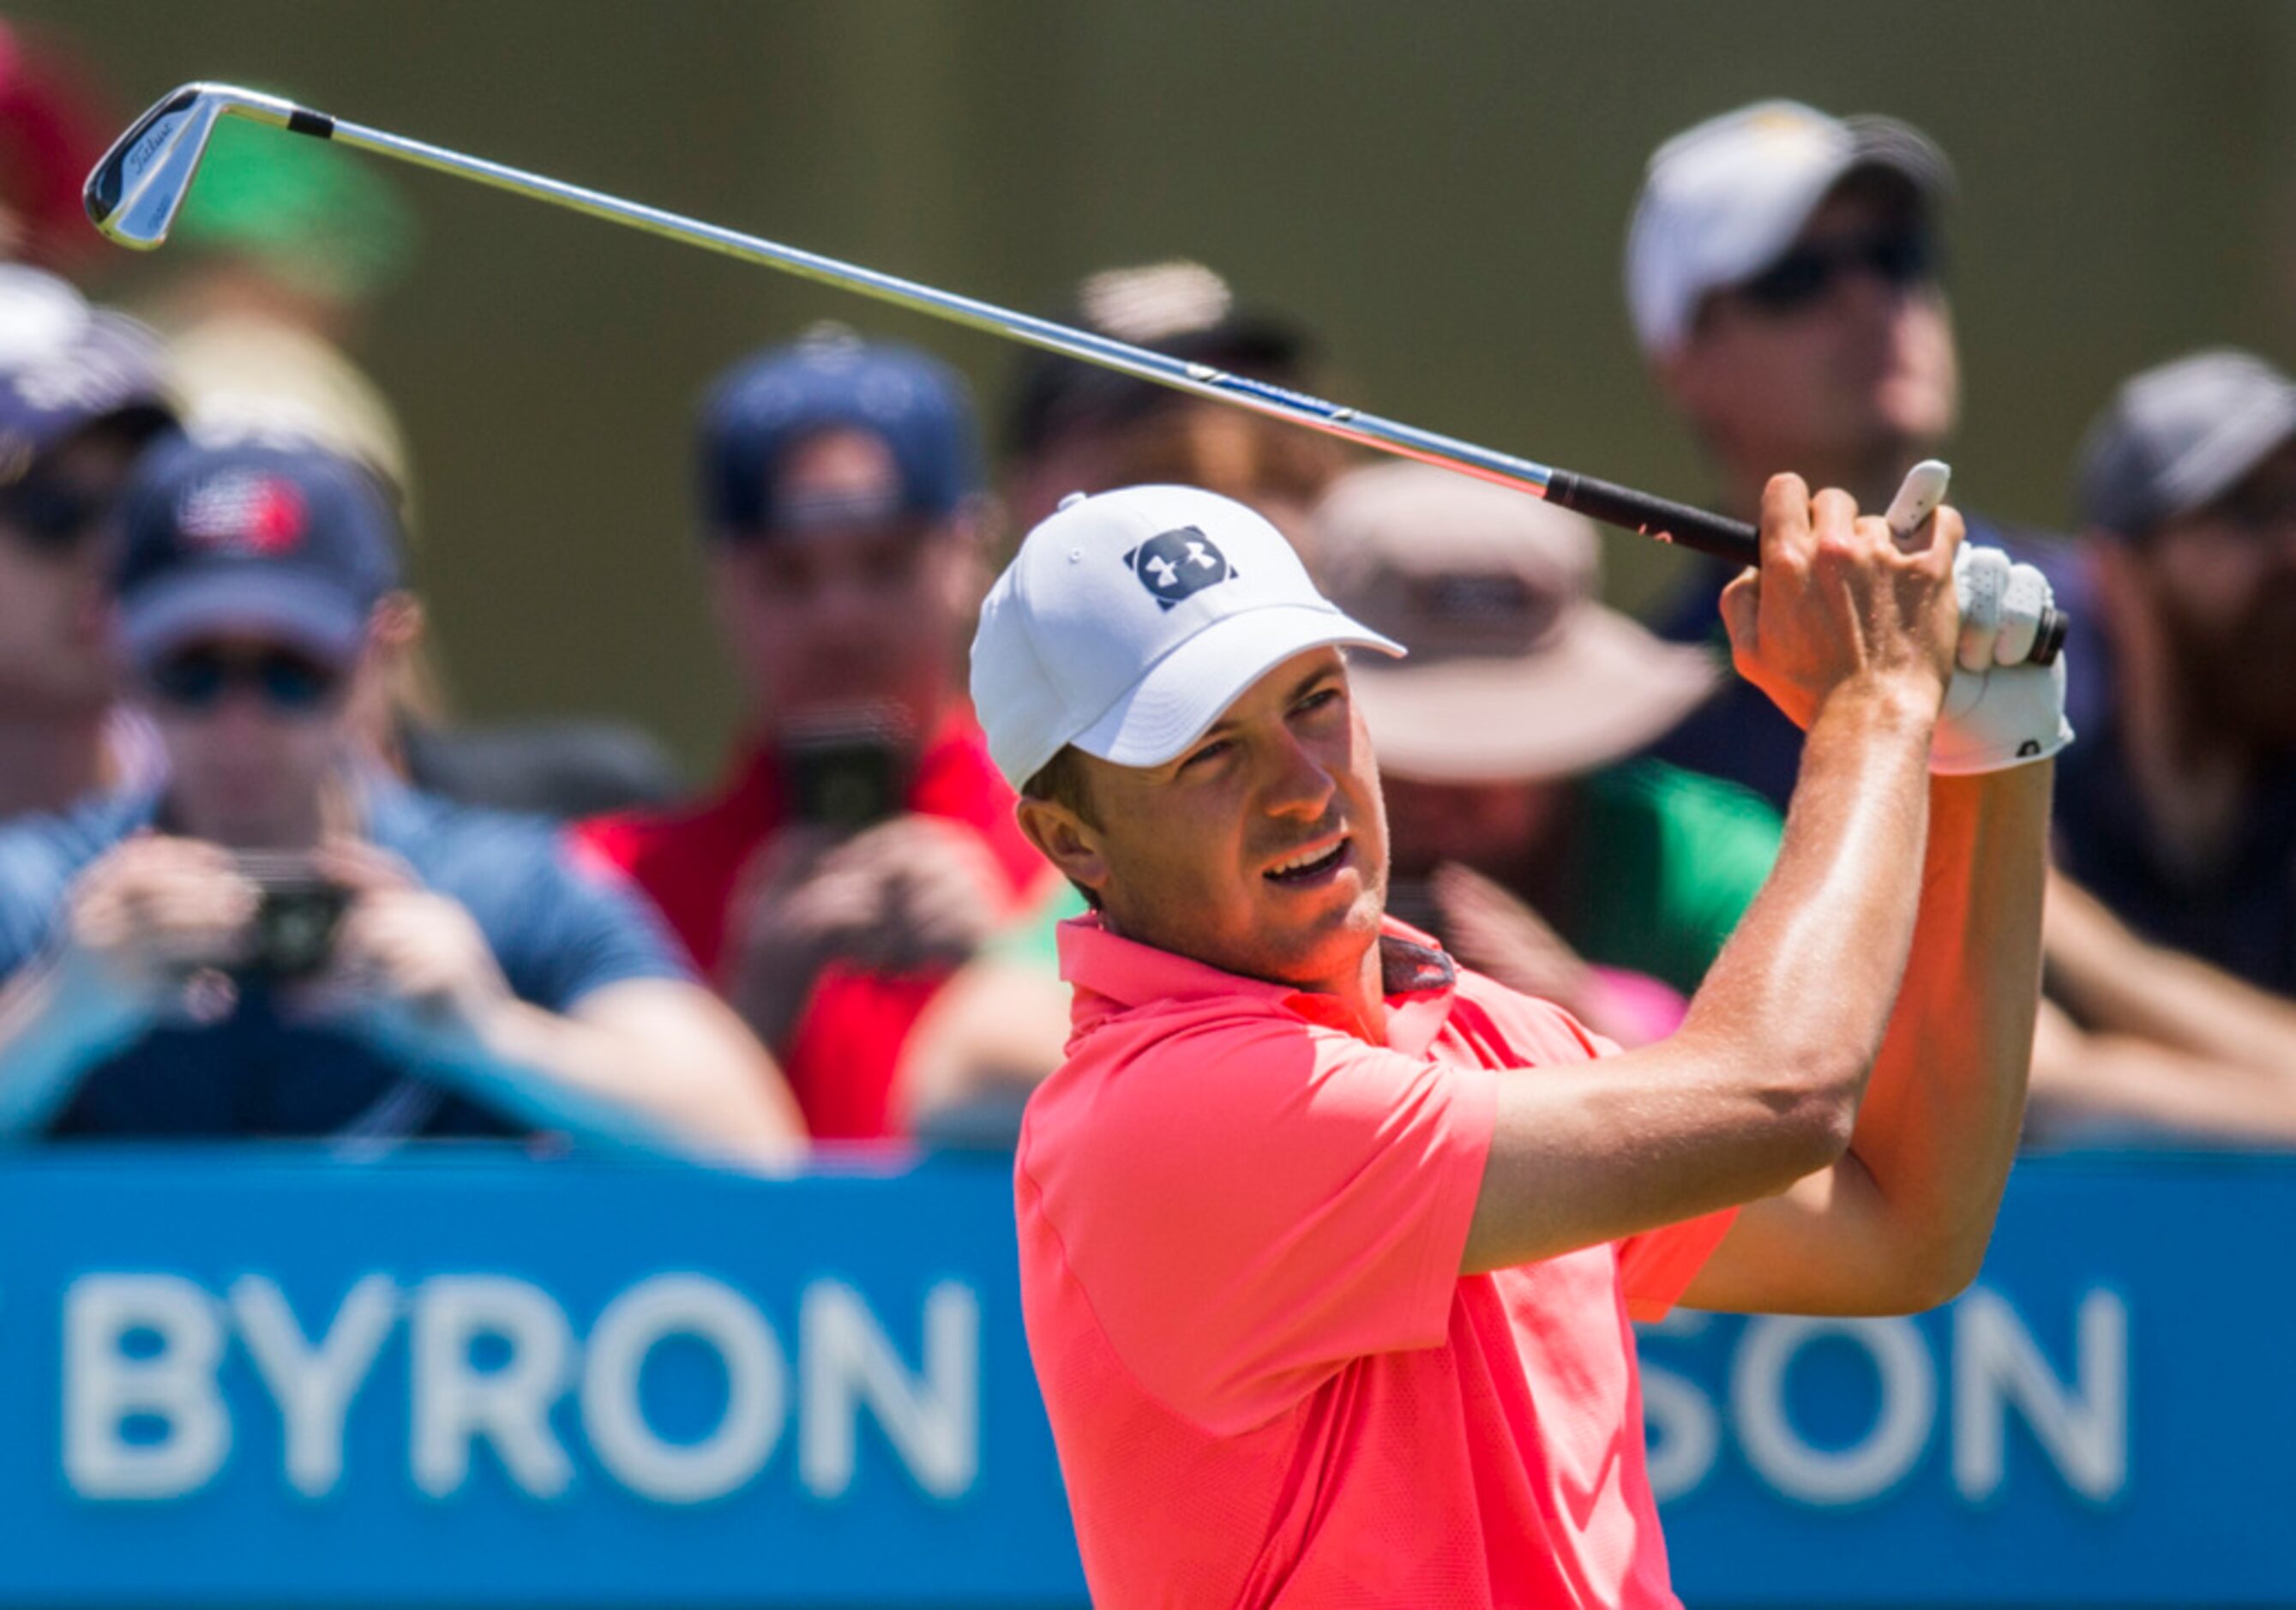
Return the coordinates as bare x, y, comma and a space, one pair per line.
242, 1378
2107, 1417
262, 1378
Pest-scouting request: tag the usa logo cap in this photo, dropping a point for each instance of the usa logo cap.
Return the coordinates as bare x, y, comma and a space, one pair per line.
276, 540
1130, 620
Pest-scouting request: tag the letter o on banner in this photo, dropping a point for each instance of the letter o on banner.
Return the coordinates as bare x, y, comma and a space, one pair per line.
756, 1388
1864, 1470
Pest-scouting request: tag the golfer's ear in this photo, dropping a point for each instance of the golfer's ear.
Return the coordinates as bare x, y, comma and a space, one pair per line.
1065, 840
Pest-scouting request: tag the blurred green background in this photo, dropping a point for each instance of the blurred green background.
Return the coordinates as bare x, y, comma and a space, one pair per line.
1442, 189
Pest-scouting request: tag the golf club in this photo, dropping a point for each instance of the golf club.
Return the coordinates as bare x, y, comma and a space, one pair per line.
136, 189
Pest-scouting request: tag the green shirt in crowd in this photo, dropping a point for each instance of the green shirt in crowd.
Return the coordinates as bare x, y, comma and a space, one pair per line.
1663, 864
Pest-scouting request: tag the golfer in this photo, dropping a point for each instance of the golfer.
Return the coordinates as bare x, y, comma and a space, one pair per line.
1329, 1249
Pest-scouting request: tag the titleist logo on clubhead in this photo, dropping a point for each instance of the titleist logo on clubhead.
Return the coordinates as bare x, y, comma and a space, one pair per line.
138, 157
1178, 564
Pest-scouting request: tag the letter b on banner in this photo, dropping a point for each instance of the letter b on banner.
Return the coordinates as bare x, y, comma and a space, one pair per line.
170, 1387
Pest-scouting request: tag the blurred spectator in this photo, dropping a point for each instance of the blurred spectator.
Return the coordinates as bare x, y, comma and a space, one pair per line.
1523, 836
280, 940
1076, 427
1784, 274
283, 249
2178, 813
54, 126
79, 397
863, 844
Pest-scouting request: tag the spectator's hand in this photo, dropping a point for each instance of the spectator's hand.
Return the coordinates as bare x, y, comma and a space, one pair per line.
1838, 604
155, 910
1495, 931
916, 893
1999, 712
405, 949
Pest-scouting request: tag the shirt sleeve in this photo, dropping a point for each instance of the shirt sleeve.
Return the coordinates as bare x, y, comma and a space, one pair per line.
1656, 1266
563, 926
1251, 1202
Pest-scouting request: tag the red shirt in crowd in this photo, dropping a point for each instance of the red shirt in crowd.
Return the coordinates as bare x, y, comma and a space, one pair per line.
1241, 1228
846, 1048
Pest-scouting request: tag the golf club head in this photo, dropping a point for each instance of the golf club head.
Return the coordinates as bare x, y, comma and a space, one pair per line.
134, 194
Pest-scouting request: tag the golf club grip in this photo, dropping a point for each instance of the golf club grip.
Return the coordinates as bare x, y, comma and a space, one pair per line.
1669, 521
1731, 539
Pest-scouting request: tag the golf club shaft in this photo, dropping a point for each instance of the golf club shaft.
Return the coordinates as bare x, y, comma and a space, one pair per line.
1636, 511
136, 190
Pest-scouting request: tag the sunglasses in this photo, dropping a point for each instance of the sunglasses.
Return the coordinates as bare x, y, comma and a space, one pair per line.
199, 678
47, 516
2258, 508
1900, 258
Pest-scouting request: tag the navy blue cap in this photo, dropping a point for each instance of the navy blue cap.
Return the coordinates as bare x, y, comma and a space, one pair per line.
2177, 437
288, 542
64, 366
775, 401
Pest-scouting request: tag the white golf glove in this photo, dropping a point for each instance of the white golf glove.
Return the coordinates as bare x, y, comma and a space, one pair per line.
1999, 712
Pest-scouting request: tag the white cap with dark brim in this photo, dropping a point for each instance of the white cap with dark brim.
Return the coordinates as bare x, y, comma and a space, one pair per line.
1724, 201
1129, 622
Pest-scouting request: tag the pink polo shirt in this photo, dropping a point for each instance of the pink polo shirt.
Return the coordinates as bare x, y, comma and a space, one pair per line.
1239, 1231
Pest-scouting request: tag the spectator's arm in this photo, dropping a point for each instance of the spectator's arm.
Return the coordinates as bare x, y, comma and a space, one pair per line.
617, 1050
990, 1037
653, 1064
134, 926
2107, 1085
58, 1020
2128, 990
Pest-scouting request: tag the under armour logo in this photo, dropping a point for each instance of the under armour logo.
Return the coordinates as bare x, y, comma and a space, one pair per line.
1178, 564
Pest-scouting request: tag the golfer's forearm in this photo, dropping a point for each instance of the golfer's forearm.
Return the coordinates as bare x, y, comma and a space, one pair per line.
1759, 1089
1805, 985
1938, 1127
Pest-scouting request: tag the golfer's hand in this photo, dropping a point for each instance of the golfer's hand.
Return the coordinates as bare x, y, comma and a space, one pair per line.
145, 916
2000, 711
1839, 606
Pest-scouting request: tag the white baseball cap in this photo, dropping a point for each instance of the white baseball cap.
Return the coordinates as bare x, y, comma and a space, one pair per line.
1130, 621
1721, 201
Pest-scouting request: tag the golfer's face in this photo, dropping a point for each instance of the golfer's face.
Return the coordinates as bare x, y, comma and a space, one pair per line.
1262, 850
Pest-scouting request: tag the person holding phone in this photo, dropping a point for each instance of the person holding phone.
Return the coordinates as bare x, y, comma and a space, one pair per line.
281, 940
862, 845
